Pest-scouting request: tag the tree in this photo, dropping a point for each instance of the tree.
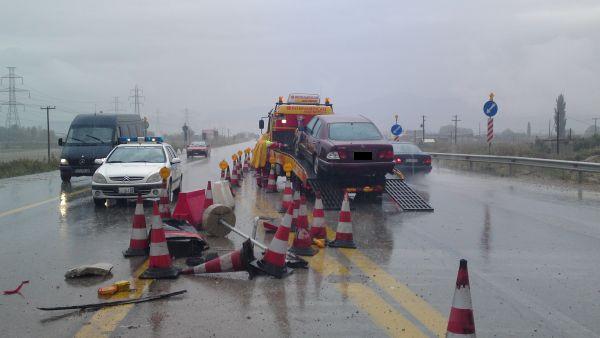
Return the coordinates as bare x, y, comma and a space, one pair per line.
560, 116
528, 129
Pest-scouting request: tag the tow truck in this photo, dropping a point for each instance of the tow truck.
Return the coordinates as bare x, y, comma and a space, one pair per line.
275, 147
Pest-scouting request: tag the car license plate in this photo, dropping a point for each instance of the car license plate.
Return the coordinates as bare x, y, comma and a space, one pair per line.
82, 171
412, 160
363, 155
126, 190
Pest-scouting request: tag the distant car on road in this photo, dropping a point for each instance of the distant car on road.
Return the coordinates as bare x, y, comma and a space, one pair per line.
344, 146
133, 168
198, 148
409, 159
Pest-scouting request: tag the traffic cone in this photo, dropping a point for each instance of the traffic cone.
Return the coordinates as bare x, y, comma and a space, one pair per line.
317, 230
228, 175
303, 241
461, 322
208, 197
164, 208
269, 227
239, 170
265, 177
271, 186
234, 176
295, 206
222, 175
245, 167
343, 234
258, 177
138, 244
287, 198
273, 261
160, 264
238, 260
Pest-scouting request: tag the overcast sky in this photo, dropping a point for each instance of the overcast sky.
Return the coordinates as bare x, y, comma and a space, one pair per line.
227, 61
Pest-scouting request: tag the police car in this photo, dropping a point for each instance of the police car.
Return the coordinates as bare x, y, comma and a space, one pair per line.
132, 168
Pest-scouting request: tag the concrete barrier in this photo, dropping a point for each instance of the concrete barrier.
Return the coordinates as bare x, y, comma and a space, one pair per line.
222, 193
190, 206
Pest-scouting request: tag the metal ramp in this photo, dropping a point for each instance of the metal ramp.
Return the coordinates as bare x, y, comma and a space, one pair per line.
331, 194
405, 196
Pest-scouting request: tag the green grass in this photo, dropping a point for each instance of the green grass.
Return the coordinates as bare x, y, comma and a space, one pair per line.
26, 167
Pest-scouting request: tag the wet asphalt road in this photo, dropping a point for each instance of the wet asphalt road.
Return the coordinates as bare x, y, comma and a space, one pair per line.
533, 255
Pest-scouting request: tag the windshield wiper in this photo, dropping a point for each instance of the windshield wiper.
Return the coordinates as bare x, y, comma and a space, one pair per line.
141, 161
95, 138
114, 162
76, 139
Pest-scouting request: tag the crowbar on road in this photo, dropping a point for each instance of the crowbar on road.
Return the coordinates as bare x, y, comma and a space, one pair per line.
115, 303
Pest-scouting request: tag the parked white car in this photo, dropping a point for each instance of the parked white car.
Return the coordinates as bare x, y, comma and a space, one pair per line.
133, 168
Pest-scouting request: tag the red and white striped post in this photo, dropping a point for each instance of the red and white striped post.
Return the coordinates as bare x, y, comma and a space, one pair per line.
490, 133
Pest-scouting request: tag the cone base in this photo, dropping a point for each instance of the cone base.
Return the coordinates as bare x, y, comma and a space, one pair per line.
136, 252
269, 269
160, 273
342, 244
309, 251
319, 233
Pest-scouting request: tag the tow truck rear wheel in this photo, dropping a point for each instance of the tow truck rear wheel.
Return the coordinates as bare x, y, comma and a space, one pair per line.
65, 178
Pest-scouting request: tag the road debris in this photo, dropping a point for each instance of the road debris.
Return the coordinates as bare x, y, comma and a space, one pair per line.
17, 290
98, 269
114, 303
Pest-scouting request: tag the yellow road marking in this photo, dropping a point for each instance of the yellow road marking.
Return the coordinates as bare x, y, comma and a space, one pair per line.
105, 321
326, 265
394, 323
415, 305
37, 204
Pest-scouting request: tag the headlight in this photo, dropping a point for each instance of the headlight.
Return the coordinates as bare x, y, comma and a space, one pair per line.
154, 178
64, 161
98, 178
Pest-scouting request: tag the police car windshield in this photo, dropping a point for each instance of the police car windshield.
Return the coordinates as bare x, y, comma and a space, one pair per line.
89, 135
137, 154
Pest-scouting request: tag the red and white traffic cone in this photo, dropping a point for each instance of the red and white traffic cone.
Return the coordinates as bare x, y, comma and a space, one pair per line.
239, 170
234, 176
273, 261
160, 264
461, 322
271, 185
317, 230
303, 241
245, 167
258, 177
295, 209
222, 175
165, 211
228, 175
287, 198
265, 177
208, 196
238, 260
343, 234
138, 244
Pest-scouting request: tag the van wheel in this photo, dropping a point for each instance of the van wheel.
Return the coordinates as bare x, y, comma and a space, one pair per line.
99, 202
65, 178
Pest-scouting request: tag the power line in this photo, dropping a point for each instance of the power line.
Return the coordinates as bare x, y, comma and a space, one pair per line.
12, 118
137, 95
116, 103
455, 120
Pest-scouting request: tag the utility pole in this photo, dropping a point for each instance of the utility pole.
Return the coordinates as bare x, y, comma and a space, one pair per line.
557, 135
12, 117
596, 125
137, 94
116, 102
455, 120
47, 108
423, 128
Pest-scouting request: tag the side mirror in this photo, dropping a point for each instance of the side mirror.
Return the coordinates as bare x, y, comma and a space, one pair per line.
176, 160
60, 142
99, 160
261, 124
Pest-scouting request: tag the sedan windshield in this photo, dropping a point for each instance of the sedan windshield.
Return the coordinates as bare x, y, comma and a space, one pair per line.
198, 144
353, 131
89, 134
406, 148
137, 154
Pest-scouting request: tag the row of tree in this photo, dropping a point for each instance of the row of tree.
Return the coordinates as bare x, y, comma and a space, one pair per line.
25, 135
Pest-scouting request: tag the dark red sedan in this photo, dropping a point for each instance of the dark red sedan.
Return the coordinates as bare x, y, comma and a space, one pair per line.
348, 146
198, 148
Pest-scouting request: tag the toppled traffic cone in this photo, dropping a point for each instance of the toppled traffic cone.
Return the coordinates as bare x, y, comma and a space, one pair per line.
295, 208
461, 322
317, 230
208, 197
160, 264
138, 244
271, 186
238, 260
303, 241
343, 234
286, 200
165, 211
273, 261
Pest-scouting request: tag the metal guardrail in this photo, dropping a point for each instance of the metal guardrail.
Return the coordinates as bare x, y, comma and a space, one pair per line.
577, 166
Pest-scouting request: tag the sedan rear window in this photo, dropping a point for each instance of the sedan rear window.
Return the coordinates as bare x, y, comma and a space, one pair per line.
406, 148
137, 154
353, 131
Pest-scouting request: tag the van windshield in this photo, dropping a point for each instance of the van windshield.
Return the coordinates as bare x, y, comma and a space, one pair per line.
90, 135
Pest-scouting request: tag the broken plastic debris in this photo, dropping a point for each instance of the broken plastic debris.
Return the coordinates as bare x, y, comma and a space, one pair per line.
98, 269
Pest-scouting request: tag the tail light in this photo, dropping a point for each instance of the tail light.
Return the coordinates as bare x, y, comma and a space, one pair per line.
427, 160
386, 155
398, 160
337, 155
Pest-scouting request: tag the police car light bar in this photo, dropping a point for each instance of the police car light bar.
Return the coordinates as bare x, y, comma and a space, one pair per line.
151, 139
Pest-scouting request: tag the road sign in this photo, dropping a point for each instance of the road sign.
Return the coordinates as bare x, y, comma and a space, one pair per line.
396, 129
490, 129
490, 108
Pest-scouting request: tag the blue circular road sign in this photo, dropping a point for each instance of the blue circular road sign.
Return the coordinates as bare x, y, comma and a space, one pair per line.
490, 108
396, 129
